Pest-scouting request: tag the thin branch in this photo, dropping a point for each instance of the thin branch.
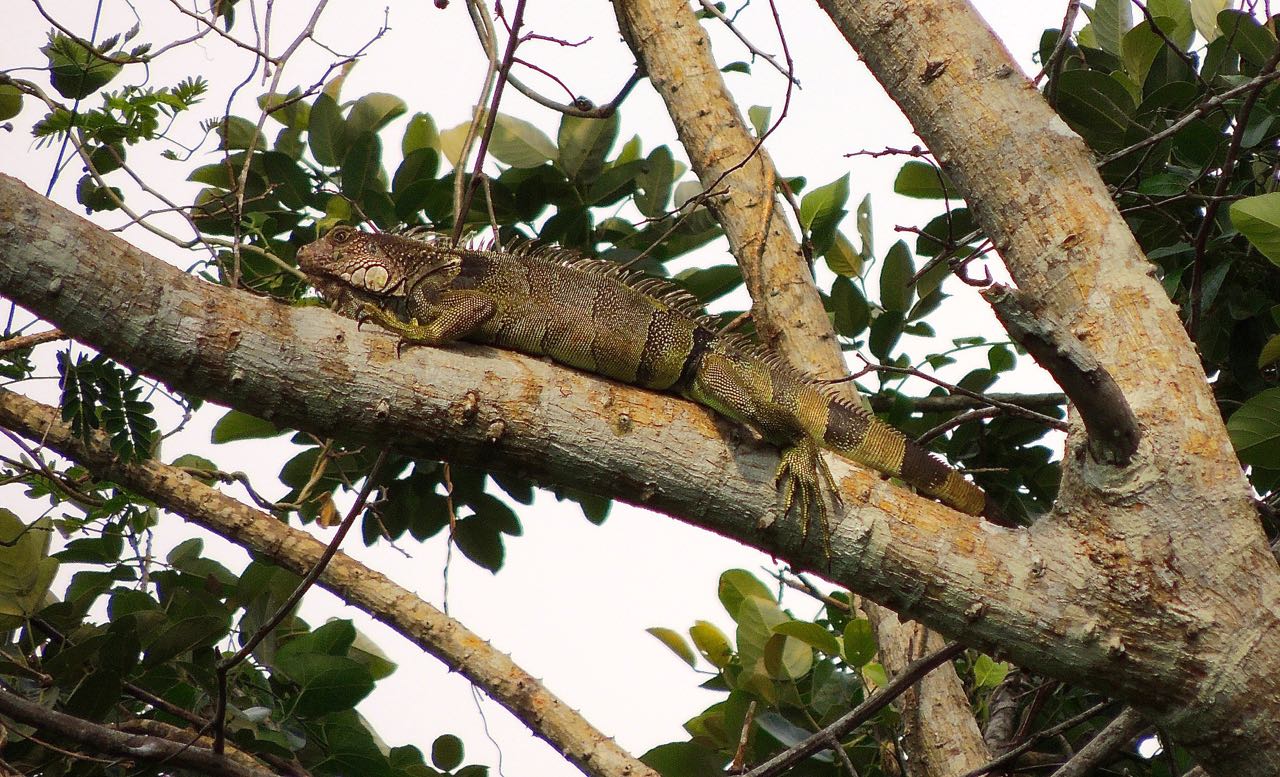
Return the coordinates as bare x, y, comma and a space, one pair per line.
434, 632
1118, 733
28, 341
135, 747
1203, 108
843, 726
1012, 755
711, 8
290, 603
985, 399
949, 403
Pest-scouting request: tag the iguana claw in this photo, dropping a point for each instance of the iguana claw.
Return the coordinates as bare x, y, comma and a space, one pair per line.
801, 478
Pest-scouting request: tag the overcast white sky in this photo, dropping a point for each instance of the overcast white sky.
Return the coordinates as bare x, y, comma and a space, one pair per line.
573, 600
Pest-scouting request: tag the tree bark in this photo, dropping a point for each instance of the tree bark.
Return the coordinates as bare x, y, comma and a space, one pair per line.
1185, 572
676, 54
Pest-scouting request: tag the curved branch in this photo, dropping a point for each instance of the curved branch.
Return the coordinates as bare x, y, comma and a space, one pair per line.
427, 627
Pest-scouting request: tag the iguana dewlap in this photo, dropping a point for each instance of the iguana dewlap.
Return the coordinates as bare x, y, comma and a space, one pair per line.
640, 330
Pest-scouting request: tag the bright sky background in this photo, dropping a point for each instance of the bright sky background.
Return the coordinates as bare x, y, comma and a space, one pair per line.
573, 600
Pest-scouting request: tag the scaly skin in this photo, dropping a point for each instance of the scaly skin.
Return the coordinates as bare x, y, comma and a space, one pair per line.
590, 315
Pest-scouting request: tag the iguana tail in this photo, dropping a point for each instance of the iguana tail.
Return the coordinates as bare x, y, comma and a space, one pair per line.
856, 434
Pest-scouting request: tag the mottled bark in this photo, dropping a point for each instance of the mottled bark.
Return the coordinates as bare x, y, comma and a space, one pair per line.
668, 40
1185, 578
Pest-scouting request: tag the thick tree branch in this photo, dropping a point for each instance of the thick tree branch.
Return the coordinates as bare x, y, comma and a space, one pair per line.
1041, 596
1036, 194
135, 747
416, 620
668, 39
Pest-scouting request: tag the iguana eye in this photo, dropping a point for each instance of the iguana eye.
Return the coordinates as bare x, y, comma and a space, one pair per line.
341, 234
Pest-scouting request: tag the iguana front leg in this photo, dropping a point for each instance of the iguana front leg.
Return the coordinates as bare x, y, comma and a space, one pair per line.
802, 478
453, 315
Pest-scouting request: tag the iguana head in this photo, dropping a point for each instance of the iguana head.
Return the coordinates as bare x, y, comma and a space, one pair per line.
373, 265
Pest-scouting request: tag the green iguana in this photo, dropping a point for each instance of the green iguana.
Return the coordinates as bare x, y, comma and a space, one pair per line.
595, 316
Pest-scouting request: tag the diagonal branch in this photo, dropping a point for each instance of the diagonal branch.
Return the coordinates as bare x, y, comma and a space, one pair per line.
416, 620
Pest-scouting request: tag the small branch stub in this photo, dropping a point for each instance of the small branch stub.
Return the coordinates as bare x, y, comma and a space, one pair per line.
1112, 427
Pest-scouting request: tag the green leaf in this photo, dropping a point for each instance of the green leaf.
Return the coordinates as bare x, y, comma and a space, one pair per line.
1270, 352
182, 636
675, 642
295, 114
886, 330
1183, 29
654, 182
811, 634
26, 571
1000, 358
10, 101
326, 131
736, 67
852, 313
1095, 105
447, 752
896, 293
683, 759
710, 283
867, 251
328, 683
75, 71
824, 202
711, 642
759, 116
236, 425
519, 143
237, 133
373, 112
361, 166
421, 133
859, 643
1258, 219
922, 181
584, 144
1255, 43
1140, 46
787, 658
1110, 20
842, 259
988, 673
1204, 15
737, 585
1255, 430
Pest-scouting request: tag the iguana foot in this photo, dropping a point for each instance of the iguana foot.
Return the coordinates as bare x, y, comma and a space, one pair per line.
411, 332
802, 478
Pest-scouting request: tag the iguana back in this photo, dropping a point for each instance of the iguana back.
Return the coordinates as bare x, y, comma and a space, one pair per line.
591, 315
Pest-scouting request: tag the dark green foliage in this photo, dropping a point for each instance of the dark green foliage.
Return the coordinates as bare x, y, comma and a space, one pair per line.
96, 394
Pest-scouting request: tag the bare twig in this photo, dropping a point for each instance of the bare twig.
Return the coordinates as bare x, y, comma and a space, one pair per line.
756, 51
1012, 755
27, 341
877, 701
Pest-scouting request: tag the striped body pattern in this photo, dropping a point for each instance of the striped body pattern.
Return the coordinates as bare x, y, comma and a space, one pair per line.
594, 316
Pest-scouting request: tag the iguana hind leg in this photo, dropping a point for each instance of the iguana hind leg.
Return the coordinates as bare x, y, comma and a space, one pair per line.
805, 483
